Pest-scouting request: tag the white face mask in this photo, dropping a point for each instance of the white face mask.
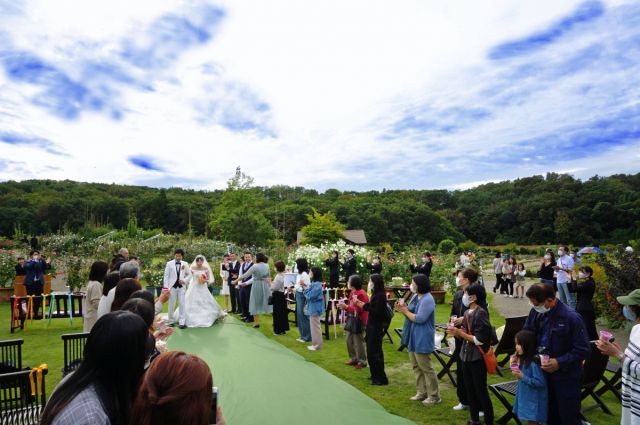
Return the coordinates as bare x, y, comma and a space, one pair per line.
414, 288
375, 261
348, 286
560, 253
465, 300
547, 257
370, 287
425, 259
581, 275
540, 308
458, 282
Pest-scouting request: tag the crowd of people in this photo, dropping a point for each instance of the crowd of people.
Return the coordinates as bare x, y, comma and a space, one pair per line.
127, 376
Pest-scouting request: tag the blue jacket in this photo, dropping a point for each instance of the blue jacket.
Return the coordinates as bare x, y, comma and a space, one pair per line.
35, 271
423, 330
562, 332
406, 326
531, 402
315, 299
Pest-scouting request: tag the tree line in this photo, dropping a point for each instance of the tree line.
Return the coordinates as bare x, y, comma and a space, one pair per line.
532, 210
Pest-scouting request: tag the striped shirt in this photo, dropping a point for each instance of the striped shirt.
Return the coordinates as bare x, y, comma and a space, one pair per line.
631, 380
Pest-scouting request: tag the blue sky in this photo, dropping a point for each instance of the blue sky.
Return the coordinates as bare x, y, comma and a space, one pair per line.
355, 95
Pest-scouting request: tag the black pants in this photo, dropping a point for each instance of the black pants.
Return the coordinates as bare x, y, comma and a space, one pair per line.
333, 280
461, 389
233, 294
280, 320
506, 284
475, 375
498, 282
375, 353
245, 295
564, 401
589, 319
36, 288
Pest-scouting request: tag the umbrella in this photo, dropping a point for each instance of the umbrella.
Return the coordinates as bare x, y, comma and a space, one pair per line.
590, 250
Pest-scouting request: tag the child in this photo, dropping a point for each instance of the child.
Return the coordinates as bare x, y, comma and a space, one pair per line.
531, 399
519, 274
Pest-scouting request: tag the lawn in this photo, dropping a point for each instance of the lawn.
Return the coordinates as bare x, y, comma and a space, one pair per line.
43, 345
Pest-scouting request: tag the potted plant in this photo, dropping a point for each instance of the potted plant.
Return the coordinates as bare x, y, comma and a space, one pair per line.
442, 276
7, 274
154, 277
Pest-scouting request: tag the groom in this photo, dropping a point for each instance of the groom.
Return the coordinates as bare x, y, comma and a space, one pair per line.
176, 274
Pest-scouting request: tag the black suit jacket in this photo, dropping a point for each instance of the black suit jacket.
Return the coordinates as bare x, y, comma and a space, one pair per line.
424, 269
233, 271
349, 267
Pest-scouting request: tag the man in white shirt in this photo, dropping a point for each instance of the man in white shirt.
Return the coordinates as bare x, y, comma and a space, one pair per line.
564, 267
244, 287
176, 275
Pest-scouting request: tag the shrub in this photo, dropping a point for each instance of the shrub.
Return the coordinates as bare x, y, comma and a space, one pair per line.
446, 246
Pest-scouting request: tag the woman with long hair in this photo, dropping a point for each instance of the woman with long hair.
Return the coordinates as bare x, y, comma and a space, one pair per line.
377, 321
315, 307
110, 282
123, 291
355, 340
333, 264
302, 320
94, 293
102, 389
278, 301
202, 310
176, 390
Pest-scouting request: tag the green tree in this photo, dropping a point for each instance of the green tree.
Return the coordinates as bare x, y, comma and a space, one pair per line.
322, 228
446, 246
239, 218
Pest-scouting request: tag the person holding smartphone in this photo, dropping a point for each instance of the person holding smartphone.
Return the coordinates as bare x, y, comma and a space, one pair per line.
564, 268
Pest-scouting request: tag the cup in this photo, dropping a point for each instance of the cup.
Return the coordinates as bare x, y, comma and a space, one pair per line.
165, 289
605, 336
515, 367
453, 319
544, 358
401, 301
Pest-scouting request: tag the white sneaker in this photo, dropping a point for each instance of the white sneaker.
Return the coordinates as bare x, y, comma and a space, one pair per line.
312, 348
481, 414
460, 406
300, 340
510, 296
418, 397
431, 401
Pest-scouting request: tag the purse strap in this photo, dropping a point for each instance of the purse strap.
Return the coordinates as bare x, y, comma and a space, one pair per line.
471, 333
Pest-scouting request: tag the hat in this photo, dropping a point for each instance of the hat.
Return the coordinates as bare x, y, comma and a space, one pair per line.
632, 299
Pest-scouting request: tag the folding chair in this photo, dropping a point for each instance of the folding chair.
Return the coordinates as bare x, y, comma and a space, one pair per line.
20, 403
507, 346
398, 332
73, 351
499, 390
594, 368
613, 384
444, 356
11, 355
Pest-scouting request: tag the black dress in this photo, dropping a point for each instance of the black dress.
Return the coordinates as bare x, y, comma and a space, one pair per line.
280, 320
375, 331
334, 271
424, 268
584, 306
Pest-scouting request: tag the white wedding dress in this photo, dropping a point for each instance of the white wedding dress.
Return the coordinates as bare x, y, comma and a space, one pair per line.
202, 309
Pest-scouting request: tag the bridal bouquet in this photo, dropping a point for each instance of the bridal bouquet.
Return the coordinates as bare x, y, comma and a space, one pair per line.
203, 278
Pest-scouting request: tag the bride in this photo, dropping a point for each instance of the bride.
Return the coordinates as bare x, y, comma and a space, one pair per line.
201, 308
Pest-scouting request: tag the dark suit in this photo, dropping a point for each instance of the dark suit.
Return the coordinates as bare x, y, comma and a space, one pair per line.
234, 270
334, 271
34, 279
349, 268
245, 293
424, 269
20, 271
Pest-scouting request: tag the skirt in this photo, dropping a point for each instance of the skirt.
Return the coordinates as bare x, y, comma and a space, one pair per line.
225, 288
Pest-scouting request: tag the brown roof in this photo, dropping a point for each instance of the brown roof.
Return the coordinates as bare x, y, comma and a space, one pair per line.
356, 237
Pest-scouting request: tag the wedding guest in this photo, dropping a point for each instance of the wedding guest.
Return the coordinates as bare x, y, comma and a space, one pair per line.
561, 335
143, 294
94, 294
520, 278
349, 264
585, 288
244, 287
547, 268
374, 264
333, 264
376, 324
630, 359
110, 282
564, 268
233, 269
103, 388
143, 308
176, 390
260, 288
531, 400
421, 341
20, 271
119, 259
355, 340
476, 334
303, 281
425, 267
34, 243
279, 302
497, 269
508, 272
224, 274
34, 278
123, 291
314, 296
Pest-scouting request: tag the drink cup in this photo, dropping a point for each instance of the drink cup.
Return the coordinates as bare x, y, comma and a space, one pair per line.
544, 358
453, 319
605, 336
165, 289
515, 367
401, 301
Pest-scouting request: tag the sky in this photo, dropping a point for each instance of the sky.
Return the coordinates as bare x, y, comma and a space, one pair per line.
358, 95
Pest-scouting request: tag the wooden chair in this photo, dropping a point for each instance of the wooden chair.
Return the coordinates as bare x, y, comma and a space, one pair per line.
20, 403
11, 355
507, 346
73, 351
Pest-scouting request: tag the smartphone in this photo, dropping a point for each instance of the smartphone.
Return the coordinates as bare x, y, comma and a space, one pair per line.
214, 407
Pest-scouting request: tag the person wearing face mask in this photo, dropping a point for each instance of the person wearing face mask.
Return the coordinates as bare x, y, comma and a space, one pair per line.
560, 334
564, 268
349, 265
314, 307
374, 265
377, 320
630, 359
585, 288
355, 341
425, 267
422, 341
333, 264
476, 335
545, 273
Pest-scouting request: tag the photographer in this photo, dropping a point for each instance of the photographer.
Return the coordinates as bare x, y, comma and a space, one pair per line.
35, 268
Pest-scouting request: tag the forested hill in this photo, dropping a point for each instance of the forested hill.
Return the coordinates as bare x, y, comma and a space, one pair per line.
530, 210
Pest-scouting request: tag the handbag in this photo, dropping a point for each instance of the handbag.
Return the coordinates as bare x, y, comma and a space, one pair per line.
353, 324
489, 357
270, 300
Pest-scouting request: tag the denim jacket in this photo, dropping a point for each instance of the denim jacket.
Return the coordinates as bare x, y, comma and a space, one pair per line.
315, 299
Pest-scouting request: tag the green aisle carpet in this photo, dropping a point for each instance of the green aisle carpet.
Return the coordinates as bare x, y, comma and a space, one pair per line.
263, 382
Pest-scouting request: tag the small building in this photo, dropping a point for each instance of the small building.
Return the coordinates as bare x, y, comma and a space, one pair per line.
354, 237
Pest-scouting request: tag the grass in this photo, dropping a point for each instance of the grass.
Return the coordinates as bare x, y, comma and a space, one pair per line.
43, 345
